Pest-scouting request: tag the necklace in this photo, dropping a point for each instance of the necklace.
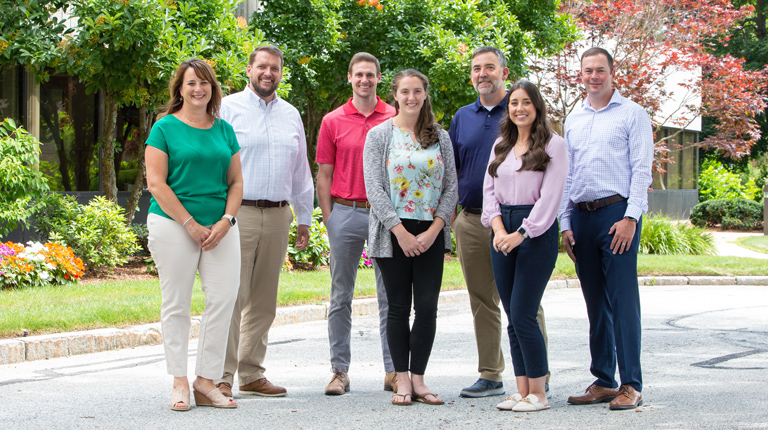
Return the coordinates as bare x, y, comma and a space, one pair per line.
204, 123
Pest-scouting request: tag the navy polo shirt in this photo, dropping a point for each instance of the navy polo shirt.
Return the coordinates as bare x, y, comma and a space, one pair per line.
473, 131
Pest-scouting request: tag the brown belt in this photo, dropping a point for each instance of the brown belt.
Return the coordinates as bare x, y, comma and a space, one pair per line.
600, 203
473, 211
353, 203
265, 203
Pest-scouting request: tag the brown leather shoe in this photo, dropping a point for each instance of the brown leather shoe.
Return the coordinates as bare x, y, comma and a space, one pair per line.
262, 387
390, 382
628, 398
594, 394
225, 388
338, 385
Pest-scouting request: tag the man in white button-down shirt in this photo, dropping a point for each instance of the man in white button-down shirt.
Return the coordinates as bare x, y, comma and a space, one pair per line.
610, 152
276, 173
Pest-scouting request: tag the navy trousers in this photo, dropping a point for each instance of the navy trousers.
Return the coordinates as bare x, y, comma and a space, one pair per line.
521, 278
609, 284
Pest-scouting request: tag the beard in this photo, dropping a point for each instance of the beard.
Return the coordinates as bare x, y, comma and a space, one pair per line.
494, 86
264, 92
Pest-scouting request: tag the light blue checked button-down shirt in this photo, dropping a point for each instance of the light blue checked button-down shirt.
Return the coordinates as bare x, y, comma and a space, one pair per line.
273, 151
610, 151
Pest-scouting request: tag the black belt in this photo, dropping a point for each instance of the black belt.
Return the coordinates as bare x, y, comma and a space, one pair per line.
265, 203
473, 211
600, 203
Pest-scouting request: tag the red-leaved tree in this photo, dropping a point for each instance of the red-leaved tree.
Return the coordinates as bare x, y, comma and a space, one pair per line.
663, 60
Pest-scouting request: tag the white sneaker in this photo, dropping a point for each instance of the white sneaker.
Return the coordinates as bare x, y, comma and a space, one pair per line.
509, 402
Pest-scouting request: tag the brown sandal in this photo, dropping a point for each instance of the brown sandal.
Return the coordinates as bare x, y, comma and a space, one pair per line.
179, 399
406, 396
422, 398
214, 398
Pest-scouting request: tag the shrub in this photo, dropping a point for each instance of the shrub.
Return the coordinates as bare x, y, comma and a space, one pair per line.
96, 232
38, 265
662, 236
737, 214
317, 251
717, 182
142, 236
20, 182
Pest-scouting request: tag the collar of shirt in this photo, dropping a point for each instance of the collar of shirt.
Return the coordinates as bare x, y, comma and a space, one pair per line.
616, 98
258, 101
350, 109
502, 104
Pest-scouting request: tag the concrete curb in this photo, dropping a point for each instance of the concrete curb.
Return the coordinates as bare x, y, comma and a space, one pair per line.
84, 342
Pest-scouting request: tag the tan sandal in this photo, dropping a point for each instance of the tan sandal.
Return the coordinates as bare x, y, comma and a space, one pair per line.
214, 398
179, 399
225, 388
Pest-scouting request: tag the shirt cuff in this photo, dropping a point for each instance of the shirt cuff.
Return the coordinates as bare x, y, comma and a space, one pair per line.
634, 212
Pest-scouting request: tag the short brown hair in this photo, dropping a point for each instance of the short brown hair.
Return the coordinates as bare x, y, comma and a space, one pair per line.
270, 49
591, 52
204, 71
364, 56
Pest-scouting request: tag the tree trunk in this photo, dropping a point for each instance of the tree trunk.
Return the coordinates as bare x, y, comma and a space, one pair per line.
108, 179
50, 115
145, 122
82, 119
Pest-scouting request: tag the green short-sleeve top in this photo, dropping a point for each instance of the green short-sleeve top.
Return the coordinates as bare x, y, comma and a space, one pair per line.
198, 160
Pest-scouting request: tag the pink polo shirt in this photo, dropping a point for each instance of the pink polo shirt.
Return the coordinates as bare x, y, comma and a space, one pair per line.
340, 143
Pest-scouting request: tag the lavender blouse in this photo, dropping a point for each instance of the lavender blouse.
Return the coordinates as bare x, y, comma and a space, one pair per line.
543, 190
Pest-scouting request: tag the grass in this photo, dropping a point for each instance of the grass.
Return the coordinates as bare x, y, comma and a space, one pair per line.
126, 303
755, 243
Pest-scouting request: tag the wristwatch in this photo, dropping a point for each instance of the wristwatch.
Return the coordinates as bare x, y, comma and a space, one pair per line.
630, 218
230, 218
522, 232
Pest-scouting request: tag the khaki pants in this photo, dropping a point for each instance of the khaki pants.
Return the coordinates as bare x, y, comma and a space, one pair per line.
178, 258
263, 245
473, 243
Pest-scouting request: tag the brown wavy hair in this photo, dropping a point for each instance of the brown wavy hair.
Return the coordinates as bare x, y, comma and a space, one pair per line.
536, 157
205, 72
427, 130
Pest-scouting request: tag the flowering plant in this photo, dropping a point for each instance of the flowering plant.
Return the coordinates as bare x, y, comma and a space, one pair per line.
37, 265
365, 260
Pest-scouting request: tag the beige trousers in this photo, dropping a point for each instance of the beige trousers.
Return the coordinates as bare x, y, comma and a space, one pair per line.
178, 258
473, 243
263, 245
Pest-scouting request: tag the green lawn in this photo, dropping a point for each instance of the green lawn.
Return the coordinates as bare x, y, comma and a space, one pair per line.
126, 303
755, 243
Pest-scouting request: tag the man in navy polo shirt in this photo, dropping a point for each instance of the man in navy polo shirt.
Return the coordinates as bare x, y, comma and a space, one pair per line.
474, 129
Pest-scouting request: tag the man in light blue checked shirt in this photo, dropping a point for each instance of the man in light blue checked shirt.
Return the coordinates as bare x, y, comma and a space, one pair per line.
610, 149
273, 150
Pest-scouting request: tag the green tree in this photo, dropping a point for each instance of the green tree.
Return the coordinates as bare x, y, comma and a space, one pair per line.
434, 36
129, 50
20, 181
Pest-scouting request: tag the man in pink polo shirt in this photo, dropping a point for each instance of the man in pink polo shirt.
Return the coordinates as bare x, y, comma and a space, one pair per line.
342, 198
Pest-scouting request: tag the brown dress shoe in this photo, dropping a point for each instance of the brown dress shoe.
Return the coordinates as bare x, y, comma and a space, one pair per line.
594, 394
225, 388
262, 387
390, 382
338, 385
628, 398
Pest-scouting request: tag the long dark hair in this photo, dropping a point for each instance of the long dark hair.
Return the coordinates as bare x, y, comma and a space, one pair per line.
536, 158
205, 72
427, 130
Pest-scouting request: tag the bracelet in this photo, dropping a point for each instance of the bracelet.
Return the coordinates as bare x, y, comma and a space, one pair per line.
185, 222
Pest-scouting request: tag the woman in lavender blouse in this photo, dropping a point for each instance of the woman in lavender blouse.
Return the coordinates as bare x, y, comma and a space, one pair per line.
521, 195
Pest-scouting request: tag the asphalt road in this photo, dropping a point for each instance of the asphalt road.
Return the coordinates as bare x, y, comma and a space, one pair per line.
705, 362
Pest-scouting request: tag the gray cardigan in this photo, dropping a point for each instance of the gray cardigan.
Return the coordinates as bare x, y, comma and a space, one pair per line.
383, 216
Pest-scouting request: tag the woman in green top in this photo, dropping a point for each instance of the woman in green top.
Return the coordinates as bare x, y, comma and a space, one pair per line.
193, 173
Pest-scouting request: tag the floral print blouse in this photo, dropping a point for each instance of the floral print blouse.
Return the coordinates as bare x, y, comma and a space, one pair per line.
415, 176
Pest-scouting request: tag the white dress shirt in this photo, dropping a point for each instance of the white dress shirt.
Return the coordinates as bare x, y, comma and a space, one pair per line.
273, 151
